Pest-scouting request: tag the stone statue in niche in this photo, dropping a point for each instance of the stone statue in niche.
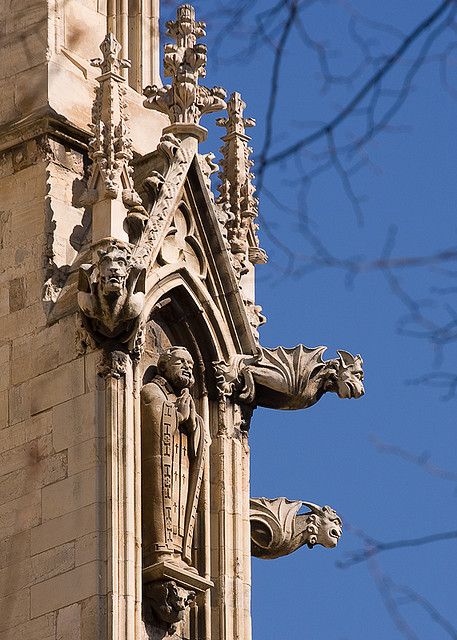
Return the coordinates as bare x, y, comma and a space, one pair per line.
174, 444
292, 378
111, 295
277, 528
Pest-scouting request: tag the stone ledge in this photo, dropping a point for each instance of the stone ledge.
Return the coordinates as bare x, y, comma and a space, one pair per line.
183, 577
45, 121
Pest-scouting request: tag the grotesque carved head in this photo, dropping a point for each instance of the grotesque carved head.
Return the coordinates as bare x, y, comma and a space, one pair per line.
324, 526
113, 267
176, 366
169, 601
349, 375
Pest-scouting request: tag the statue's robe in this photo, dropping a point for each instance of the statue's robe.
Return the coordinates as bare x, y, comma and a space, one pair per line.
172, 470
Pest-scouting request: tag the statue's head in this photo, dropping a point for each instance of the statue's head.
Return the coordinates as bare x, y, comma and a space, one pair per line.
324, 526
349, 375
176, 366
113, 268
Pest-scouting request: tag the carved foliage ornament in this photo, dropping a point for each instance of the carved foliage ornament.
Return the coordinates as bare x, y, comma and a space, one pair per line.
185, 101
237, 184
110, 148
163, 191
277, 529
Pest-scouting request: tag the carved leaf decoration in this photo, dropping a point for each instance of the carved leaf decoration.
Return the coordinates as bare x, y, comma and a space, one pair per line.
272, 523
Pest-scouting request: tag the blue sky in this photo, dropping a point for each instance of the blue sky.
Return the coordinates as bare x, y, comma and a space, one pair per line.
325, 454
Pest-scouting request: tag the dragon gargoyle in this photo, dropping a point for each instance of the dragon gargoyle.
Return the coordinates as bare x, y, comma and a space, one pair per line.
111, 294
291, 378
277, 528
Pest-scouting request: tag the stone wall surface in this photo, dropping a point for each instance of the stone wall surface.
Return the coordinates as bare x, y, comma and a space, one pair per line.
51, 502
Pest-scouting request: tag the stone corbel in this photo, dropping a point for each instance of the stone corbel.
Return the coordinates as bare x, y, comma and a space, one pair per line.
169, 591
277, 529
111, 298
167, 603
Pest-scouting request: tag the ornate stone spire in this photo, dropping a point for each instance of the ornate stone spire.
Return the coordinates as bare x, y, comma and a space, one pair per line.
237, 186
110, 149
185, 101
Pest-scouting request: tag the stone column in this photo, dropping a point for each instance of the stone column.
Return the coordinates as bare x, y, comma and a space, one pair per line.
119, 411
230, 546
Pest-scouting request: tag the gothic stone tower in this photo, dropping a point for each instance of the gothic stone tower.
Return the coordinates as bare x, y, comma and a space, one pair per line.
129, 350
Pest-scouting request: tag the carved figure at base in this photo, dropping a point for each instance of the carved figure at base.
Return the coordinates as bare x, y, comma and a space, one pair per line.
277, 528
111, 294
167, 601
174, 444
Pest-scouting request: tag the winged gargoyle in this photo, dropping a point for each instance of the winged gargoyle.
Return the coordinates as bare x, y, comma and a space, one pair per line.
277, 528
292, 378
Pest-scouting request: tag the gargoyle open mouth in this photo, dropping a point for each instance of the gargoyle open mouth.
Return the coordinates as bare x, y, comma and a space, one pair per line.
335, 533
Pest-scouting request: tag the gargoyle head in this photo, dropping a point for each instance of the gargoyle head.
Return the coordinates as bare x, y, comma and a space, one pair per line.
349, 375
324, 526
113, 268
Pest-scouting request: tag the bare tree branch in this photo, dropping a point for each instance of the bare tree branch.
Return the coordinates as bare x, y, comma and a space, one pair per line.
374, 547
356, 100
395, 596
422, 460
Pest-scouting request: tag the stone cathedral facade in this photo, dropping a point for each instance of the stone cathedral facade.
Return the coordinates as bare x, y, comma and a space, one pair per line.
130, 360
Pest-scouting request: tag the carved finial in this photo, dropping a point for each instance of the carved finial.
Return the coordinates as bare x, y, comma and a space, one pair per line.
110, 148
110, 63
237, 181
184, 101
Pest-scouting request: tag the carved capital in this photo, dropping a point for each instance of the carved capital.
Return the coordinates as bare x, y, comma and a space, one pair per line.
184, 101
277, 529
113, 364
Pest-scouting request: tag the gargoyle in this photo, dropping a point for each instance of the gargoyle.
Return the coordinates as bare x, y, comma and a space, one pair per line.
168, 601
277, 528
111, 294
297, 378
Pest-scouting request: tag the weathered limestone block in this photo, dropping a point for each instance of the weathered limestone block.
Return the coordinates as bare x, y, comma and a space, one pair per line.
70, 494
75, 525
64, 382
69, 623
65, 589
